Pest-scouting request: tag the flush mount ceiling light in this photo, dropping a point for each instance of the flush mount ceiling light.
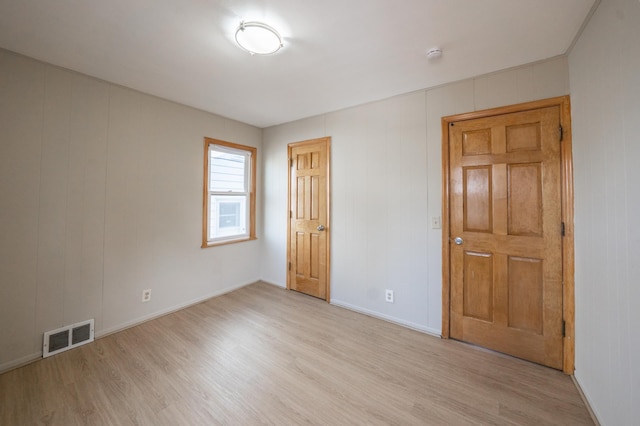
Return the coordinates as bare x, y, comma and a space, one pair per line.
258, 38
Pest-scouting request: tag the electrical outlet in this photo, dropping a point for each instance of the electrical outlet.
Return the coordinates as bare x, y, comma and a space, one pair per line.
146, 295
388, 296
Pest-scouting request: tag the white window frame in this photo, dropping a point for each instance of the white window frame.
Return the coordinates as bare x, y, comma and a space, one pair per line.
212, 233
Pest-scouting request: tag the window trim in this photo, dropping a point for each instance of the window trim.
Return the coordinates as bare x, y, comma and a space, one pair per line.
251, 210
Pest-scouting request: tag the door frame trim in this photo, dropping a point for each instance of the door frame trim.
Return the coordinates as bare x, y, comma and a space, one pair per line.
327, 140
568, 265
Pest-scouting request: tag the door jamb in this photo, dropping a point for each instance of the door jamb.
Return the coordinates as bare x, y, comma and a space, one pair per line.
568, 265
289, 211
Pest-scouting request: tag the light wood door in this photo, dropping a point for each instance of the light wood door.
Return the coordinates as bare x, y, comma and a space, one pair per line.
309, 228
506, 234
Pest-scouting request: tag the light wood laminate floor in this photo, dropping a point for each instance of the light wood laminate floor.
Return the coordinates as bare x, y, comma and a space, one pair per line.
264, 355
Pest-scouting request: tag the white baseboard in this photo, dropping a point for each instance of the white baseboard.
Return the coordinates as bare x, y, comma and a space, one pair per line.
586, 400
123, 326
158, 314
137, 321
273, 283
341, 304
16, 363
389, 318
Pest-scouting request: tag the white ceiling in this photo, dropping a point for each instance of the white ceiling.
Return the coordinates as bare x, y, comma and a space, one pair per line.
337, 53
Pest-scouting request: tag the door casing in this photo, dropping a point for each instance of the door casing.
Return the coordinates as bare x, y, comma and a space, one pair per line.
568, 302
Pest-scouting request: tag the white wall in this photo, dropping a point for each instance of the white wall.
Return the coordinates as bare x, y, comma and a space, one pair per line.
386, 185
101, 195
605, 90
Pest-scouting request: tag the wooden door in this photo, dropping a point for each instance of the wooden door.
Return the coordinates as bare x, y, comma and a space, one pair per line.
309, 228
505, 253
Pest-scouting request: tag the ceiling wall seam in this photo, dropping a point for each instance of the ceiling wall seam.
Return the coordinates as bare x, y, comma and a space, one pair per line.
583, 26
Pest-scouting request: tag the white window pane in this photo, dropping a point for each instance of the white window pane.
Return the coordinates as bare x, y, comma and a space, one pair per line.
228, 217
229, 214
227, 172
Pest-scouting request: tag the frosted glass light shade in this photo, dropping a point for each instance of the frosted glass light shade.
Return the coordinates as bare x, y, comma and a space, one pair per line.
258, 38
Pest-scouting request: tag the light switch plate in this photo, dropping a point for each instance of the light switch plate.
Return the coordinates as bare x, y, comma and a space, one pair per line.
436, 223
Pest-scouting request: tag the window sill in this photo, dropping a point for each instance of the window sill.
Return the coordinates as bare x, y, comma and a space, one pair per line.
209, 244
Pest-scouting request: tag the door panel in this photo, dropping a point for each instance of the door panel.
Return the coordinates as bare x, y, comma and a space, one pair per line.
309, 216
525, 199
505, 205
478, 215
525, 288
478, 286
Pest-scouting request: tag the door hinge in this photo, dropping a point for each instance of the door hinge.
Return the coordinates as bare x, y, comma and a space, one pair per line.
290, 214
289, 265
564, 328
290, 162
561, 133
562, 229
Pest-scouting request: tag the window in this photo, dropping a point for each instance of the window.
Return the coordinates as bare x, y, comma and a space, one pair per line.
229, 193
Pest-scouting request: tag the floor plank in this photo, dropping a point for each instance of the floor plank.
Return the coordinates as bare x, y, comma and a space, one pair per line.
263, 355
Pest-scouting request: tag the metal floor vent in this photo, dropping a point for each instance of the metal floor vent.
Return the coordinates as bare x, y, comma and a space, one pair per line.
64, 338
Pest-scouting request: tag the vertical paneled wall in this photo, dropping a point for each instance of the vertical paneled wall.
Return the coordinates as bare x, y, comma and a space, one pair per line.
605, 90
101, 197
386, 186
